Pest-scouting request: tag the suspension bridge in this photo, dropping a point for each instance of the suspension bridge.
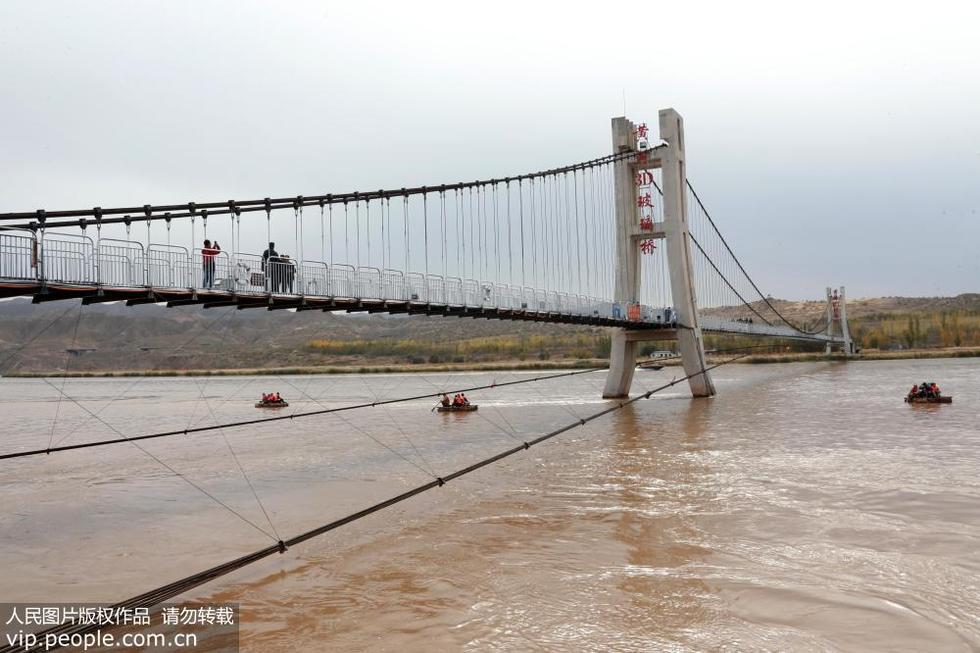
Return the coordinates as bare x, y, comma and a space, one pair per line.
621, 241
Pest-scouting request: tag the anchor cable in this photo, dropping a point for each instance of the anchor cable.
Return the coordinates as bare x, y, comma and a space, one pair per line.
184, 585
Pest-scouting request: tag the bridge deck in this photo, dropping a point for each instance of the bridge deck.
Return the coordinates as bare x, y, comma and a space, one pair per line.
93, 294
51, 267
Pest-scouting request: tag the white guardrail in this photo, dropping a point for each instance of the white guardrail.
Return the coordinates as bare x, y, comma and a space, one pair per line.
714, 323
76, 259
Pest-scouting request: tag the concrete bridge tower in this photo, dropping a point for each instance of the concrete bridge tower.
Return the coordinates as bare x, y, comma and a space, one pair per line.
837, 317
669, 158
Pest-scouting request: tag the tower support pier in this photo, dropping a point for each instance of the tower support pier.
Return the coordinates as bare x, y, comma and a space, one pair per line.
669, 157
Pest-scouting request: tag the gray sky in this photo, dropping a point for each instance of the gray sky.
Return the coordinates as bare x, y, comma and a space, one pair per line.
834, 144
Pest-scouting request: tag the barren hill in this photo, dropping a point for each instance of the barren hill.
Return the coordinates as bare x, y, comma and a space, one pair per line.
150, 337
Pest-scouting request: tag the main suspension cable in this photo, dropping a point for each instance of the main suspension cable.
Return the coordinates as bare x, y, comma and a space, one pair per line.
742, 268
40, 218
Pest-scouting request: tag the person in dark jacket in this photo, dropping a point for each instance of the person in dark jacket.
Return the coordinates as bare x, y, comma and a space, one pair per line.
271, 273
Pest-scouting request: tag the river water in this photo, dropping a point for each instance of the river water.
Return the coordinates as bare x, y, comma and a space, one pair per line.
806, 507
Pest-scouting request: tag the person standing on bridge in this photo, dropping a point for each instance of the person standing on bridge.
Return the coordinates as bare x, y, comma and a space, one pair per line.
208, 255
269, 270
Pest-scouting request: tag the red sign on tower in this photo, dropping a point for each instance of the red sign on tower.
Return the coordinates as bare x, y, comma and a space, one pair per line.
644, 197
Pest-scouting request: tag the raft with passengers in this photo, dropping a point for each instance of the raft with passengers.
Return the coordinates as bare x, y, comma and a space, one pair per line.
271, 400
458, 404
927, 393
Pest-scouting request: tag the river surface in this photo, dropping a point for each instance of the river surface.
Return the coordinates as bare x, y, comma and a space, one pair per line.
806, 507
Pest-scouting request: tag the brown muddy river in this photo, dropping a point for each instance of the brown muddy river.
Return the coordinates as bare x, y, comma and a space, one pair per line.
806, 507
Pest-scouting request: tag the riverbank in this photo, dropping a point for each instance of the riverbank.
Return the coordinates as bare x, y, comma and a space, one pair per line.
864, 355
518, 365
337, 369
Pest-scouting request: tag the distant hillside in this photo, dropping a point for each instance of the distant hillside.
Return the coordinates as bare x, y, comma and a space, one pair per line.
866, 307
114, 337
152, 337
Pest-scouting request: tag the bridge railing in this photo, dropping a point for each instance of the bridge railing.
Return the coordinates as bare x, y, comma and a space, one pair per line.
369, 283
222, 270
70, 258
494, 294
67, 258
169, 266
415, 287
454, 291
435, 288
342, 280
716, 323
393, 285
247, 273
120, 263
312, 278
19, 254
472, 295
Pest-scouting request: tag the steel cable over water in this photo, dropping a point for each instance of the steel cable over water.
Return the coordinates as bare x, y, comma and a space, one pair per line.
176, 588
327, 411
262, 420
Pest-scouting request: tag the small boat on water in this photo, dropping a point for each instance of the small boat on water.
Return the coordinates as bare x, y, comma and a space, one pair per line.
944, 399
282, 403
468, 408
927, 393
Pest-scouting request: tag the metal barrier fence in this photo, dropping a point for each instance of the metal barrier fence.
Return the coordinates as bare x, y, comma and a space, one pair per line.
67, 258
342, 280
169, 266
120, 263
393, 285
19, 256
75, 259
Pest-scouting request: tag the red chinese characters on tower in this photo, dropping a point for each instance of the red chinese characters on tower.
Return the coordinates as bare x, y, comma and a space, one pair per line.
643, 180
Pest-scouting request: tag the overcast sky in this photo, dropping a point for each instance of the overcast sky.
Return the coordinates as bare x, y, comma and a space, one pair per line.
836, 144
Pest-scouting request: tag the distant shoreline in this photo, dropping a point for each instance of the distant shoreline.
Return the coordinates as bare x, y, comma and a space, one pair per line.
865, 355
789, 357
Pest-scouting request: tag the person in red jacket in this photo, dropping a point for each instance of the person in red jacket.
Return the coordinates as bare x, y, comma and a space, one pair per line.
208, 255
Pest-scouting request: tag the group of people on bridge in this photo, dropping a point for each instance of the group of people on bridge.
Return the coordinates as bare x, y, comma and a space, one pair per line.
280, 270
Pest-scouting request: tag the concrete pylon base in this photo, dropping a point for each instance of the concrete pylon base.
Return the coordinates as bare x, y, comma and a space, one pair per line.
692, 357
622, 363
625, 349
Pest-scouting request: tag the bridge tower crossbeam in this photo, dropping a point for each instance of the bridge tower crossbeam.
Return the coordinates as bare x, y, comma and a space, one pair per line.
669, 158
